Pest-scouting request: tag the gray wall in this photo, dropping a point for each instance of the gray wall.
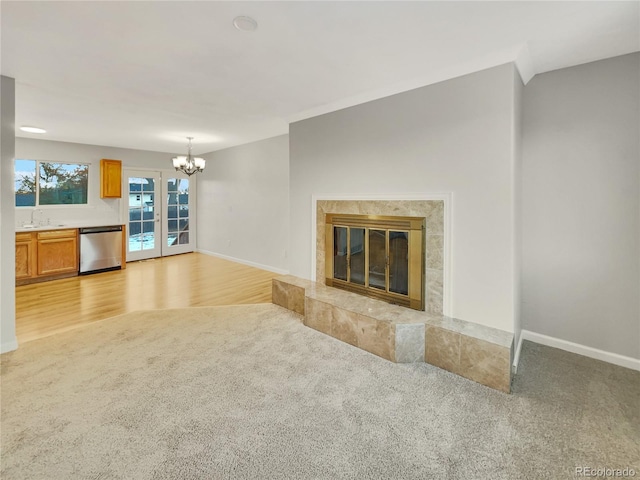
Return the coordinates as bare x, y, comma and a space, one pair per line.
581, 206
7, 232
107, 210
243, 203
455, 136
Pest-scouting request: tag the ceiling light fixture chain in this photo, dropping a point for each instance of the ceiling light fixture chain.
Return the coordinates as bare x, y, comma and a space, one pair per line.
188, 164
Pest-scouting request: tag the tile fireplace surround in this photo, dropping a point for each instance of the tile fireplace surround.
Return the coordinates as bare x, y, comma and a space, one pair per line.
396, 333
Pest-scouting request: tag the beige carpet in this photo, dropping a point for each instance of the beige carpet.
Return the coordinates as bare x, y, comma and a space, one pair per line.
248, 392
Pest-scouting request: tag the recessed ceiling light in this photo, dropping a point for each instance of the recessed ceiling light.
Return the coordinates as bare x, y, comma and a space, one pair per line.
247, 24
33, 129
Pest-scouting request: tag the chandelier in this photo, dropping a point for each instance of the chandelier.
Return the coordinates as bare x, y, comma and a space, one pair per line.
188, 164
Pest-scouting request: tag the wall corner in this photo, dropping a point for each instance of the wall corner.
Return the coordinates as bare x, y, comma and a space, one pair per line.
8, 340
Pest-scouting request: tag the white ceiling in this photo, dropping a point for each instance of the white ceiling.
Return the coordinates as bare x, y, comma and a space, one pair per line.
145, 75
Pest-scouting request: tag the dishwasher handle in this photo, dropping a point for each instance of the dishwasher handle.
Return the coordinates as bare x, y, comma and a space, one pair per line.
114, 228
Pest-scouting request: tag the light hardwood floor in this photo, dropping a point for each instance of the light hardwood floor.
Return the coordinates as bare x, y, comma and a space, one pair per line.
188, 280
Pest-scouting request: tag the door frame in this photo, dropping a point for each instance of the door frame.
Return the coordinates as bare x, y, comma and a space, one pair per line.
157, 210
191, 246
160, 207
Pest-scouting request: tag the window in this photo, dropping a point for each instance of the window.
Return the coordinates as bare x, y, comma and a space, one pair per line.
47, 183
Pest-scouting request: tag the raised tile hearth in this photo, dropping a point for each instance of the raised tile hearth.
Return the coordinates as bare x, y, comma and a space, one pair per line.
399, 334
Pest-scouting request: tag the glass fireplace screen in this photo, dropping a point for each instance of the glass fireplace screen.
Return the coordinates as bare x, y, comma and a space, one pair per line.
377, 256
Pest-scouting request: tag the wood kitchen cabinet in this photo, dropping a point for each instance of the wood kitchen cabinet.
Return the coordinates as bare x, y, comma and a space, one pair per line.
110, 178
45, 255
57, 252
25, 255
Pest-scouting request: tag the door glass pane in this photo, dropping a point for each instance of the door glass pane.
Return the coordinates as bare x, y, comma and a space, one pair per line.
177, 211
148, 235
147, 213
135, 237
135, 185
172, 236
143, 215
135, 214
377, 259
340, 253
148, 184
357, 255
399, 262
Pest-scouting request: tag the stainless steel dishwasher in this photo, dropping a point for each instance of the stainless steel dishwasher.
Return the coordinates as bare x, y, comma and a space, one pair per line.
100, 249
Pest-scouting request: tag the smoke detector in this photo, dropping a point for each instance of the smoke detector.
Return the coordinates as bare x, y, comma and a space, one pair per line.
247, 24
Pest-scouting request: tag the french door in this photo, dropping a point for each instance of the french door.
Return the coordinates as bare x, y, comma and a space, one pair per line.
143, 206
178, 235
160, 209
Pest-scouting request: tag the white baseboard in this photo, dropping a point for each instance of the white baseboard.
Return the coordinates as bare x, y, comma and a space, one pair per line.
9, 346
244, 262
621, 360
516, 357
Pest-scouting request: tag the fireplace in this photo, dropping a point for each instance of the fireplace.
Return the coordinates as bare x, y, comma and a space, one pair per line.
356, 244
434, 212
378, 256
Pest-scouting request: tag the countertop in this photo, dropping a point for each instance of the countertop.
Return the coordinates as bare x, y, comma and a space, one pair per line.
62, 226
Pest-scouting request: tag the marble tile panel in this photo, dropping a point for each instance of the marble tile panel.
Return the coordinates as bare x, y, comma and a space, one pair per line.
488, 334
409, 343
320, 237
434, 280
366, 306
442, 348
435, 252
376, 337
420, 208
447, 323
293, 280
485, 363
364, 207
318, 315
435, 219
279, 293
296, 299
473, 330
388, 312
344, 326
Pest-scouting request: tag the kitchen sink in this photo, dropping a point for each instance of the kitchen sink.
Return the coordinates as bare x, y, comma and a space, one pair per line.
30, 226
